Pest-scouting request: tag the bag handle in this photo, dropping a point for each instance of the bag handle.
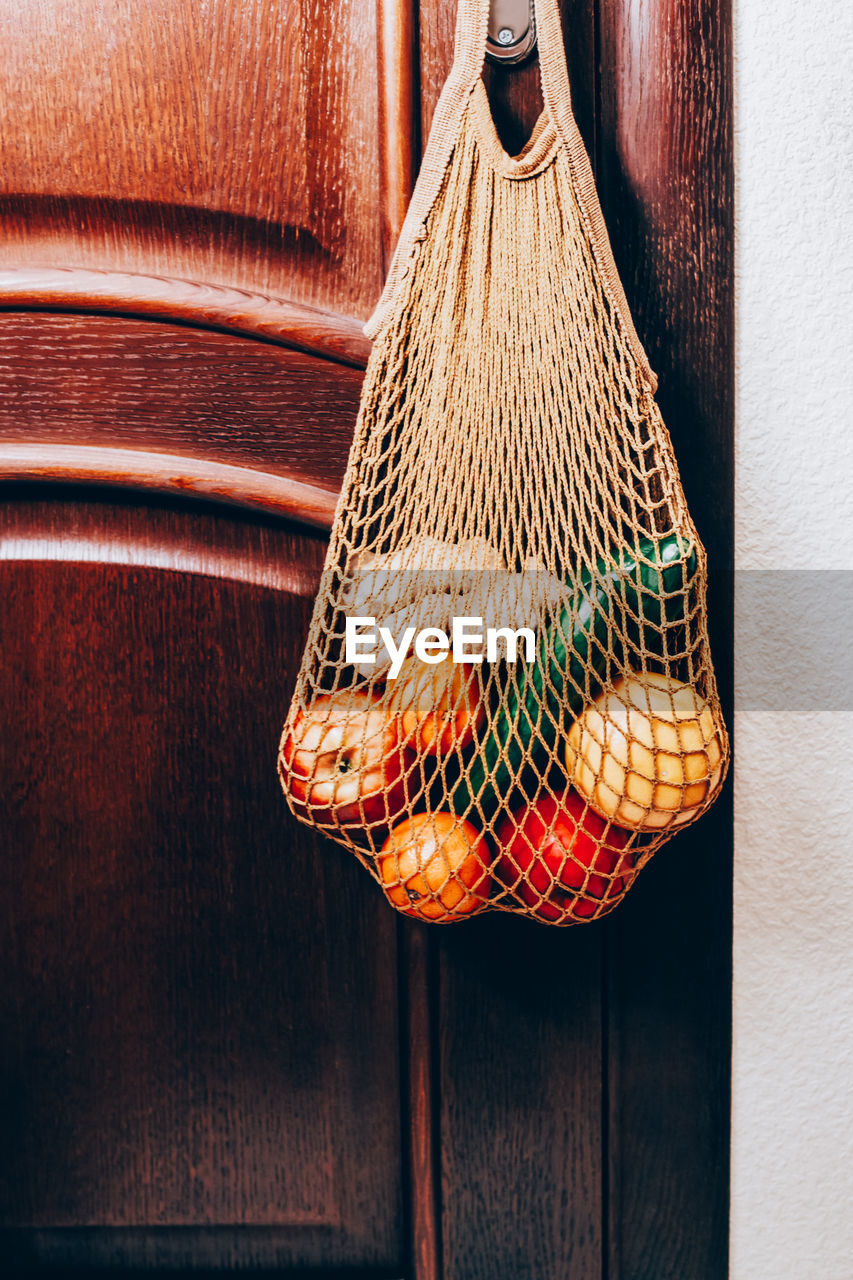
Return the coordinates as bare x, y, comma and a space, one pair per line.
469, 55
472, 25
472, 22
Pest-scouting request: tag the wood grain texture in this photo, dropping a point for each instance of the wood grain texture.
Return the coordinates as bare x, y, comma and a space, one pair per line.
95, 529
170, 474
231, 143
667, 189
398, 114
423, 1137
319, 333
666, 186
114, 383
521, 1101
199, 999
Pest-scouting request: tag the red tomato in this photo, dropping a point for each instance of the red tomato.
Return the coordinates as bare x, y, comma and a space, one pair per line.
342, 763
552, 861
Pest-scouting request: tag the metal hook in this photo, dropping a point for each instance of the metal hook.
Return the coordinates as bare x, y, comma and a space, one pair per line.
512, 32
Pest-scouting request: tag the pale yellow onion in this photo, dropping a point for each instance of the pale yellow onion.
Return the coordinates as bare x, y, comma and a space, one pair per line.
646, 754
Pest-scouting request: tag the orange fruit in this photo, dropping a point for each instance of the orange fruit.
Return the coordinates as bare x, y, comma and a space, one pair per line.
439, 705
435, 866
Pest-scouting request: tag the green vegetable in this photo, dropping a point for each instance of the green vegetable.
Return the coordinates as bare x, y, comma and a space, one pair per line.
635, 596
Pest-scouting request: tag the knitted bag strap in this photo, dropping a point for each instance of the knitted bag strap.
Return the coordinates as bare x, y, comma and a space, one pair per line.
465, 76
470, 51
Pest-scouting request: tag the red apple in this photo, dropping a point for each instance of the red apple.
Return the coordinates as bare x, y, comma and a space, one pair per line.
562, 860
342, 763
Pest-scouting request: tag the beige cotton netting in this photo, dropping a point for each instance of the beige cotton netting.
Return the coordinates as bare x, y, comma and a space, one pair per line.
509, 465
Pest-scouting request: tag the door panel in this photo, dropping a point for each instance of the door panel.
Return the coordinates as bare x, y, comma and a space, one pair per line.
199, 998
521, 1100
234, 144
112, 383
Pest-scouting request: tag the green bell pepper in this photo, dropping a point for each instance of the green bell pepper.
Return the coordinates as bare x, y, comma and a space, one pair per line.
636, 595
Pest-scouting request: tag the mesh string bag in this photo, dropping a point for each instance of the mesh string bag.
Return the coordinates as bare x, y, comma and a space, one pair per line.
509, 467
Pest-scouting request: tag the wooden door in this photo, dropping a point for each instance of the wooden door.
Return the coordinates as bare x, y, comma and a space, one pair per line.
220, 1049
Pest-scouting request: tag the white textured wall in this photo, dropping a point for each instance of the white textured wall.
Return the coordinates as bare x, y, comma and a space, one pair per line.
792, 1130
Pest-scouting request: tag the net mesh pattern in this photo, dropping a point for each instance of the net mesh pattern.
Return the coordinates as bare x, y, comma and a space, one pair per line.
509, 464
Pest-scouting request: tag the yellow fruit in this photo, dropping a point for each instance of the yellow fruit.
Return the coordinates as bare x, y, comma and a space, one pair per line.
647, 754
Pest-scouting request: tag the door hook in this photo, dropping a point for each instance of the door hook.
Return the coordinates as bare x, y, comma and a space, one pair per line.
512, 32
